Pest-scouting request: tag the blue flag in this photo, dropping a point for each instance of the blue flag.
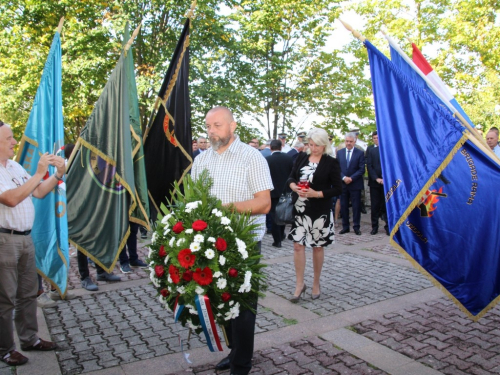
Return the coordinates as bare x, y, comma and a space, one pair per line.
440, 185
45, 133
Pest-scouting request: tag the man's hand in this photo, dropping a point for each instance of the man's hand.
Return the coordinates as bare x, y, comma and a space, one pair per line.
43, 164
347, 180
380, 181
60, 164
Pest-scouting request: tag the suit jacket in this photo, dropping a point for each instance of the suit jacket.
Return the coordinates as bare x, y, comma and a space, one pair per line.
356, 168
373, 165
326, 178
196, 153
280, 166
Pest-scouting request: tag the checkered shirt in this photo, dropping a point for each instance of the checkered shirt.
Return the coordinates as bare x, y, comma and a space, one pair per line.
22, 216
238, 173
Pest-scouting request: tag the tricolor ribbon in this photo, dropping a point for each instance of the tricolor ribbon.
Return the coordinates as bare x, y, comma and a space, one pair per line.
177, 309
208, 323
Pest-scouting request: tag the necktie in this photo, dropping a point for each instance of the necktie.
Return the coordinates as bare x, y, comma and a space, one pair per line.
348, 157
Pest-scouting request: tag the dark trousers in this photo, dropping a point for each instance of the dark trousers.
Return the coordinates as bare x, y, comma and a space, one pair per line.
241, 332
83, 266
278, 231
378, 207
131, 246
355, 197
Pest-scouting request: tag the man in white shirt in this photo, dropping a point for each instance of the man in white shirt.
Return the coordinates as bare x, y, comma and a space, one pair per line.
18, 276
492, 141
241, 178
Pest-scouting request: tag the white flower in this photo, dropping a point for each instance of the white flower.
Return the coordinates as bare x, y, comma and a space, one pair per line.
211, 239
188, 210
216, 212
222, 260
168, 308
166, 231
244, 254
242, 248
244, 288
189, 231
180, 241
221, 283
162, 300
169, 279
154, 237
195, 246
171, 242
166, 218
199, 290
217, 274
229, 229
221, 306
191, 325
219, 315
155, 281
233, 312
193, 205
181, 290
209, 254
199, 238
231, 303
150, 252
225, 221
166, 259
193, 311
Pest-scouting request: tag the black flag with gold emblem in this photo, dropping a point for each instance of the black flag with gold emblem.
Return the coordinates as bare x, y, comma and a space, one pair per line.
167, 139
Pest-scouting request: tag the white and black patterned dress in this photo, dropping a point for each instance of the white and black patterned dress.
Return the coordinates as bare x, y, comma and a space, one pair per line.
312, 227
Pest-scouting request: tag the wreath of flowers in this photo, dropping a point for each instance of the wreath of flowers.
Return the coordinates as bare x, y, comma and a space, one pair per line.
201, 248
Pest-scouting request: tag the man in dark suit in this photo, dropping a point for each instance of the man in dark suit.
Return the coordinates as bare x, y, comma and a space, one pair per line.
202, 146
376, 184
352, 167
280, 166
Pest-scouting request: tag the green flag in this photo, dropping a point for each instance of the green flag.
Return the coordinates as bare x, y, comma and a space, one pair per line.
141, 213
100, 181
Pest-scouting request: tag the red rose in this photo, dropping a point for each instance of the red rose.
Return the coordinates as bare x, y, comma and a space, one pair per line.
165, 292
188, 275
160, 271
226, 296
174, 274
199, 225
233, 272
203, 276
186, 258
178, 227
221, 244
162, 251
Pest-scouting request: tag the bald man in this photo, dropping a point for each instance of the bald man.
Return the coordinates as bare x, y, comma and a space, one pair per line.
241, 178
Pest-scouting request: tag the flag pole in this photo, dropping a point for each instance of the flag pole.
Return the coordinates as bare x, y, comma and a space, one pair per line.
354, 32
73, 154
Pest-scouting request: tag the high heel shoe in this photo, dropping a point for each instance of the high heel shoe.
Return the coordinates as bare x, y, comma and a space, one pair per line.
296, 299
316, 296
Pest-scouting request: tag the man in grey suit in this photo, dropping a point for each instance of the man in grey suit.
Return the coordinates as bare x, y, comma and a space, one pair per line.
352, 167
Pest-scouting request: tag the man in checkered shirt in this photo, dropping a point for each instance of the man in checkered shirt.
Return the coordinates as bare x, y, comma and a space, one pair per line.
18, 277
241, 178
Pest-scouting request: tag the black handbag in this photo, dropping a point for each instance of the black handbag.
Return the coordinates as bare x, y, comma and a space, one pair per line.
284, 210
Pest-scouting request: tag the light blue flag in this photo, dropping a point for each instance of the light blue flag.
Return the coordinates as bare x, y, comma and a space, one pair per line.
439, 184
45, 133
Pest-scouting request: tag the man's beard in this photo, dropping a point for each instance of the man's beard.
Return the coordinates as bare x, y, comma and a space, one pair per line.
217, 142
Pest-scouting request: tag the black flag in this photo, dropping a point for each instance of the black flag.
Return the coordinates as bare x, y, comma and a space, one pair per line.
167, 140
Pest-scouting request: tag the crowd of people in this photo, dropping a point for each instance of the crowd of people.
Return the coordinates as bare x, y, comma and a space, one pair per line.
324, 183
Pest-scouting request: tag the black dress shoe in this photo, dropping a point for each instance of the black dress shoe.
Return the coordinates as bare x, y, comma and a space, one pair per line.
225, 364
276, 244
374, 231
344, 231
358, 232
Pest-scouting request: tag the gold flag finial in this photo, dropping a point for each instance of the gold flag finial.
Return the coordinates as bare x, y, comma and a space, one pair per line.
59, 28
190, 12
356, 33
131, 40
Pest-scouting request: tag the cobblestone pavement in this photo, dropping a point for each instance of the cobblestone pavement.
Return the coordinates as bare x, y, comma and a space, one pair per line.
386, 250
348, 281
438, 335
103, 330
309, 356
